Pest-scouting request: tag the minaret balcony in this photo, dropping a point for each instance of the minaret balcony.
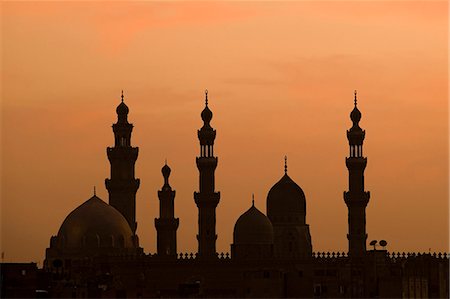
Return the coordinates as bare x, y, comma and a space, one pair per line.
207, 199
206, 162
167, 223
357, 198
122, 185
115, 153
356, 162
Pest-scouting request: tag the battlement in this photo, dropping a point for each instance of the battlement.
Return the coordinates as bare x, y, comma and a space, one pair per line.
193, 256
391, 255
406, 255
330, 255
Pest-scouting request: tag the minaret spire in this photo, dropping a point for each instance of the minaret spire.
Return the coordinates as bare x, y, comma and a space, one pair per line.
207, 198
253, 199
122, 186
356, 198
94, 192
166, 225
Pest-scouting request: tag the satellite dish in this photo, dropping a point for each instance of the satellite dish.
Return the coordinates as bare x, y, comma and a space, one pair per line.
373, 243
383, 243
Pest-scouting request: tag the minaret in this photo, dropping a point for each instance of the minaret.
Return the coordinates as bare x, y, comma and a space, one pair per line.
206, 199
356, 198
122, 185
166, 225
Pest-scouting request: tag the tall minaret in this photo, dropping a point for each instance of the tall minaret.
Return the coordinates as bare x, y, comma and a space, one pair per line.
166, 225
207, 199
356, 198
123, 185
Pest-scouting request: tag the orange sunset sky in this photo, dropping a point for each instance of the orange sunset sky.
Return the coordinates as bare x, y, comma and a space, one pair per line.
280, 77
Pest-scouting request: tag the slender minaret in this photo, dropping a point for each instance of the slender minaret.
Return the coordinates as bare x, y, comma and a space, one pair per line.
206, 199
122, 185
356, 198
166, 225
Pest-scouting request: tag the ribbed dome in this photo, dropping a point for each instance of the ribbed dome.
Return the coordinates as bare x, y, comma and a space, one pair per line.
253, 227
286, 199
95, 224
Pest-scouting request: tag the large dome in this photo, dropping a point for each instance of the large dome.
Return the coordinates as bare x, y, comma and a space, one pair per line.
286, 201
95, 224
253, 227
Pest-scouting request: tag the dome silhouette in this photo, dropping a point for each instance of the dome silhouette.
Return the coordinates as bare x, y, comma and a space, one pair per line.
286, 199
122, 109
206, 115
253, 227
95, 224
355, 115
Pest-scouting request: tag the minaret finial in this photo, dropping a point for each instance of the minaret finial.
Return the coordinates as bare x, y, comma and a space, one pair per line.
165, 161
206, 97
285, 164
355, 97
122, 96
94, 192
253, 199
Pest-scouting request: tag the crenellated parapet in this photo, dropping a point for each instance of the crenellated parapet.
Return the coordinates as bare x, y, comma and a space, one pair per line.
392, 255
329, 255
412, 255
193, 256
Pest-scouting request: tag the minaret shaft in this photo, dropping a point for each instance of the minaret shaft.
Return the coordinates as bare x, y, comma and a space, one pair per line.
166, 225
356, 198
206, 199
122, 186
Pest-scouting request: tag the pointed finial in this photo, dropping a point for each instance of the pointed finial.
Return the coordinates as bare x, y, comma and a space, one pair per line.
253, 199
165, 161
94, 192
206, 97
285, 164
355, 98
122, 96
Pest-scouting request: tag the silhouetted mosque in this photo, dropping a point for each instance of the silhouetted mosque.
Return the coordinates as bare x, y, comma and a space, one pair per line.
96, 251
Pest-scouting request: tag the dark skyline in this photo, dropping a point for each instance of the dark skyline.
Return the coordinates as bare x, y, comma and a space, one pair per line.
96, 252
293, 98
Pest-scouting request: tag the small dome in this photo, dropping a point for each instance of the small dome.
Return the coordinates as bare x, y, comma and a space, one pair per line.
253, 227
95, 224
286, 199
206, 115
122, 109
355, 115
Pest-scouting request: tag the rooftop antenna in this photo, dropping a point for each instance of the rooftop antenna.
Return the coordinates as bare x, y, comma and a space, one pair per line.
374, 244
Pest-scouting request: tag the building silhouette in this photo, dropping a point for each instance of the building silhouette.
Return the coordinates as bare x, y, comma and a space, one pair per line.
96, 252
